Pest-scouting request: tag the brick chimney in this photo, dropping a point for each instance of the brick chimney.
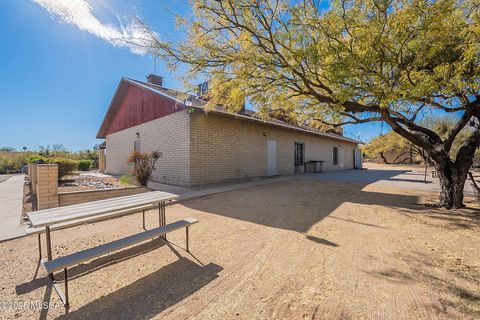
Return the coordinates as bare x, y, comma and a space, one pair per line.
154, 79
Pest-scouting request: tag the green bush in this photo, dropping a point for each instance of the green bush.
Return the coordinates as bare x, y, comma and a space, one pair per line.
127, 179
11, 162
84, 164
34, 159
65, 166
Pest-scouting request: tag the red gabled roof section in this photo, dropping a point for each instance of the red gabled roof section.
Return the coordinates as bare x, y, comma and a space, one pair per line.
135, 103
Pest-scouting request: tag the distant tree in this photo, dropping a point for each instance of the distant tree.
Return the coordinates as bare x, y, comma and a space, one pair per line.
7, 149
24, 148
58, 147
44, 151
393, 142
360, 60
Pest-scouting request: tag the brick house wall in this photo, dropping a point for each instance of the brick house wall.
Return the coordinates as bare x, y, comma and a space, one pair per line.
224, 148
201, 148
169, 135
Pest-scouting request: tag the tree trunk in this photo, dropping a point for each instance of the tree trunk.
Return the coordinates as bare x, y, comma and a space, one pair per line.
383, 158
452, 182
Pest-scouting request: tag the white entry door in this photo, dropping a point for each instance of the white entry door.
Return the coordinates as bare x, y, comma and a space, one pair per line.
271, 157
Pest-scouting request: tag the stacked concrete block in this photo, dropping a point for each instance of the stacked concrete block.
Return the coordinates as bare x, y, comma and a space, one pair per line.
47, 186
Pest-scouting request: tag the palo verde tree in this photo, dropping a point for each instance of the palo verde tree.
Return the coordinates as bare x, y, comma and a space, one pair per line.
352, 61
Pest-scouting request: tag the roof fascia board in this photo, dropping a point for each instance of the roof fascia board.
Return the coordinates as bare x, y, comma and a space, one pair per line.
99, 136
286, 126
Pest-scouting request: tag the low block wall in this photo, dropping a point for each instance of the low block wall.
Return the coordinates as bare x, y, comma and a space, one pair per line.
69, 198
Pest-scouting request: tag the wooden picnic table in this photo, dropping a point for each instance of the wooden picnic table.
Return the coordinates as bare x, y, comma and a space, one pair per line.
96, 210
68, 216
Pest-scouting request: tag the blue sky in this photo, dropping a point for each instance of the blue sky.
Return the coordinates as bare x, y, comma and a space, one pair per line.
56, 80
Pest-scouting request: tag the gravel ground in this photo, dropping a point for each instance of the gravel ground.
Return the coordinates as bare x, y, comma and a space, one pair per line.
286, 250
86, 182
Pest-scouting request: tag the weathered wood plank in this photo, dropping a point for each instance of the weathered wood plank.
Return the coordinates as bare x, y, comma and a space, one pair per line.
97, 218
88, 254
69, 213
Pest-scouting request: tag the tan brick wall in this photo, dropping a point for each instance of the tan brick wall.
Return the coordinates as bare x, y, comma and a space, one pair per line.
101, 160
168, 135
70, 198
47, 186
32, 175
200, 149
223, 148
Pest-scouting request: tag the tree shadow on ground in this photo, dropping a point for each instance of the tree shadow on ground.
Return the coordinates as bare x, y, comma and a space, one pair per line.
456, 283
298, 204
466, 218
96, 264
150, 295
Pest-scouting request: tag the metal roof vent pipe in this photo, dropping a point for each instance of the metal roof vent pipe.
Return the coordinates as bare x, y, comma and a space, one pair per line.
154, 79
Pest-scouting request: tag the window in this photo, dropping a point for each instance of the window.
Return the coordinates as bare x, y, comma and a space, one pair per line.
335, 155
299, 154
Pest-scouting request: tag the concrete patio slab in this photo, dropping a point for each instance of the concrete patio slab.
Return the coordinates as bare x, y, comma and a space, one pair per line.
11, 202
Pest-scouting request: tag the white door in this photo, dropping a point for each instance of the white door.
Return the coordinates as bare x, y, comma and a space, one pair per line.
271, 157
342, 165
357, 154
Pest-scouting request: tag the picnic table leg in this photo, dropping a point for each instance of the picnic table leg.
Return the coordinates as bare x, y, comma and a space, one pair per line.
49, 246
186, 231
143, 213
66, 287
39, 246
161, 217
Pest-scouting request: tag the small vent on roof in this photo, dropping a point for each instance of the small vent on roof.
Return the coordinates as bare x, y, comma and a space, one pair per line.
154, 79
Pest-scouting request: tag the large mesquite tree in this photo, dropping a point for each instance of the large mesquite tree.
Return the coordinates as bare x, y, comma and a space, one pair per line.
350, 61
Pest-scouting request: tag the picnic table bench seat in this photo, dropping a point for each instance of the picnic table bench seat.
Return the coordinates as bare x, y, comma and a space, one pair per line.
91, 253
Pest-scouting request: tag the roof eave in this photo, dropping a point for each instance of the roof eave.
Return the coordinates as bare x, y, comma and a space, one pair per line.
285, 126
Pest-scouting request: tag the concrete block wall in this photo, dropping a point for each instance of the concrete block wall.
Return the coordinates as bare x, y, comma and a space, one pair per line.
169, 135
70, 198
202, 148
32, 176
47, 186
223, 148
101, 160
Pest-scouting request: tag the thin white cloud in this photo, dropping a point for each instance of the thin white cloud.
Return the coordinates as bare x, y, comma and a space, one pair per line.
79, 13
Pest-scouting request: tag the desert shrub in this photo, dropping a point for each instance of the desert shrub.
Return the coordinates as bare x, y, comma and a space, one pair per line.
11, 162
65, 166
35, 158
84, 164
143, 165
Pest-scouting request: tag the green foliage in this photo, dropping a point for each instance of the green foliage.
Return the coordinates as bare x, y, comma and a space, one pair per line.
143, 165
35, 158
12, 162
127, 179
392, 141
347, 62
84, 165
65, 166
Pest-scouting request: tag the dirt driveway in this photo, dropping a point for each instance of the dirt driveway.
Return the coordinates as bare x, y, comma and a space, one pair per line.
286, 250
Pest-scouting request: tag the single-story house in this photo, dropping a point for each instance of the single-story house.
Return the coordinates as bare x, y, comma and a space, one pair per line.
200, 147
